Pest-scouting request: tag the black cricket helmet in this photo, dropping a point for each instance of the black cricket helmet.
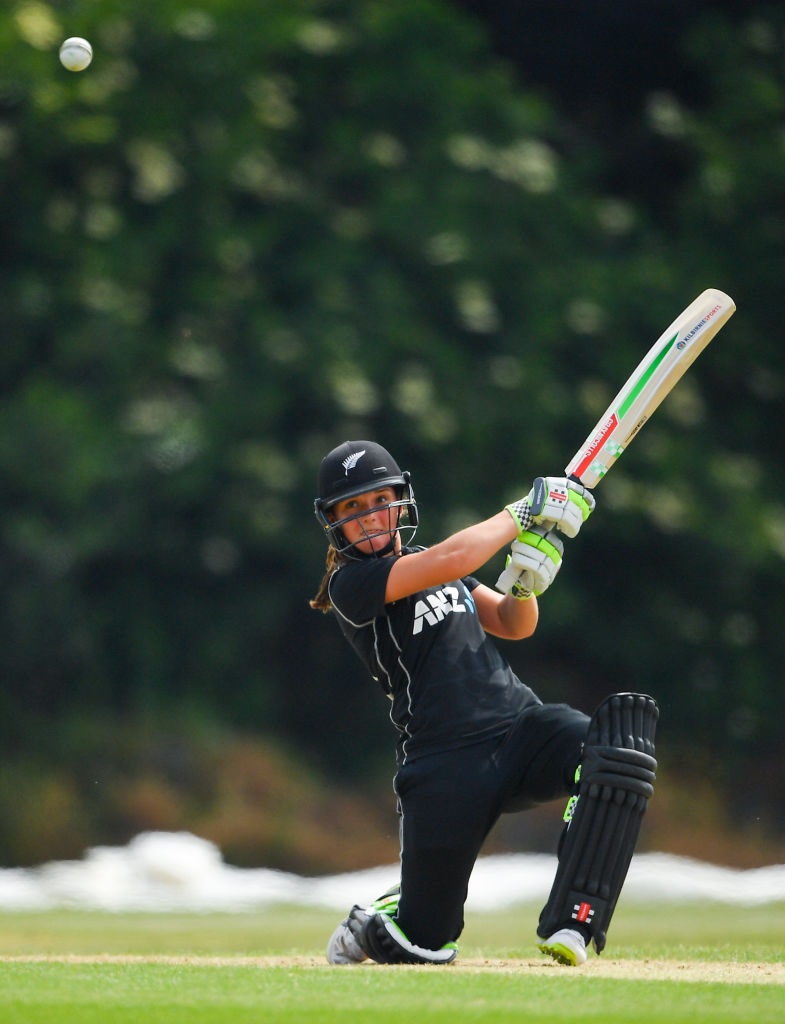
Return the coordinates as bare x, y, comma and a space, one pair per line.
353, 468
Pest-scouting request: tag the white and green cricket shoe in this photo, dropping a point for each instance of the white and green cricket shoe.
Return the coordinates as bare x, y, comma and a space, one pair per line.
566, 946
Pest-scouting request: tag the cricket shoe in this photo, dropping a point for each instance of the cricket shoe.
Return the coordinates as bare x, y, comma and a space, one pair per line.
343, 947
566, 946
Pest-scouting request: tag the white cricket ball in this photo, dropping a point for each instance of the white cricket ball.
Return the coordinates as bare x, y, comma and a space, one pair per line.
76, 54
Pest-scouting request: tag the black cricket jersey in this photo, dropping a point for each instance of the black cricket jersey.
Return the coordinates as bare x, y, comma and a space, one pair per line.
448, 682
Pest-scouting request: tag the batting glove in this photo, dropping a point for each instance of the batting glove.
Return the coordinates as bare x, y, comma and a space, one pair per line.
553, 501
534, 560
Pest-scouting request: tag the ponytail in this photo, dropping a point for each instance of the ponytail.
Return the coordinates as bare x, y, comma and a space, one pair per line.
321, 602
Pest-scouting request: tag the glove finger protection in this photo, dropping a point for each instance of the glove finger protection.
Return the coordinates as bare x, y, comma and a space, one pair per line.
556, 501
532, 565
553, 501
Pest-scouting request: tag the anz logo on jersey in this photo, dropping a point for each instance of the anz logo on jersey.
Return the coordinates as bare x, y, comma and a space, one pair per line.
436, 606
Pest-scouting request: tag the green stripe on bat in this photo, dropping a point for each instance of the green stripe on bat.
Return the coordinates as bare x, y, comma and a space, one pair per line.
646, 376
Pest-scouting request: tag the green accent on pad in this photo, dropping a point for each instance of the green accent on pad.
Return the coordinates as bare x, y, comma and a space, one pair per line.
581, 502
569, 810
407, 941
387, 904
646, 376
542, 545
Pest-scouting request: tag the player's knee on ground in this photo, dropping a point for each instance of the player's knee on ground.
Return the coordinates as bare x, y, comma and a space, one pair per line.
385, 943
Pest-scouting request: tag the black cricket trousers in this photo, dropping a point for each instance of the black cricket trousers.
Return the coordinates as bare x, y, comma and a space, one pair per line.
449, 802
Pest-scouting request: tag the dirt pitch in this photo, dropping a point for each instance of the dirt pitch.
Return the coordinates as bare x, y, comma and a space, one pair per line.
726, 972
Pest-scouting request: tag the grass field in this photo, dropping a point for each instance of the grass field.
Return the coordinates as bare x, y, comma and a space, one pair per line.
691, 964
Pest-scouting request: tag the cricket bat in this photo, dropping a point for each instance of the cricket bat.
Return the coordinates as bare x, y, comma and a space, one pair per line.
658, 372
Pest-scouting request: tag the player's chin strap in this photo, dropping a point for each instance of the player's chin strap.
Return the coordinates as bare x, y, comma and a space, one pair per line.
380, 937
603, 821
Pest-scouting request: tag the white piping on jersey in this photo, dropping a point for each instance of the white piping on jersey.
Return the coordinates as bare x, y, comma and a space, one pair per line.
386, 684
406, 672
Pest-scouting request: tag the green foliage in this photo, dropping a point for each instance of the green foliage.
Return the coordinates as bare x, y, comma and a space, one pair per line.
102, 783
250, 230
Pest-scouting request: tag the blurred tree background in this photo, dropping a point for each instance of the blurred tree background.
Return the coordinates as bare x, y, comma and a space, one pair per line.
255, 228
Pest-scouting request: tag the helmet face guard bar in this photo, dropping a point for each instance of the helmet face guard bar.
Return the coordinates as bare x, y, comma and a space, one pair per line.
405, 508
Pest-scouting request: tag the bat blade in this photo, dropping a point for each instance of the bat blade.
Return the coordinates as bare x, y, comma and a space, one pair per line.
655, 376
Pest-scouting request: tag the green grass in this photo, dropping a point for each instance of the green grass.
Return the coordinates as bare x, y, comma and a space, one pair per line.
711, 932
177, 991
66, 994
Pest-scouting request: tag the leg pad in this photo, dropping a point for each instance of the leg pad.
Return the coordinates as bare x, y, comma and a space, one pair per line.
617, 775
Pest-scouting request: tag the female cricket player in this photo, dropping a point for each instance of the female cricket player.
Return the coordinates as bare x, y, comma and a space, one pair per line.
473, 741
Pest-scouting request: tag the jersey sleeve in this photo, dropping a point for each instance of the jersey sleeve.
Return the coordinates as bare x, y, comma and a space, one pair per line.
357, 589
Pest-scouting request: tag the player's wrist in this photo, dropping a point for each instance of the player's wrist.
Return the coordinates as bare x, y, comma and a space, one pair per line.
521, 512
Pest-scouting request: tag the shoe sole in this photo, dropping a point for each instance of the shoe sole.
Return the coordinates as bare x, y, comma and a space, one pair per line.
561, 953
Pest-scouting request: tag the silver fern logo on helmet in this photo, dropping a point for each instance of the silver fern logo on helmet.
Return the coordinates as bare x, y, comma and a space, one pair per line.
351, 461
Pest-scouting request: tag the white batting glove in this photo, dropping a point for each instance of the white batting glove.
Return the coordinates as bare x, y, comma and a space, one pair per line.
554, 501
534, 560
561, 502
